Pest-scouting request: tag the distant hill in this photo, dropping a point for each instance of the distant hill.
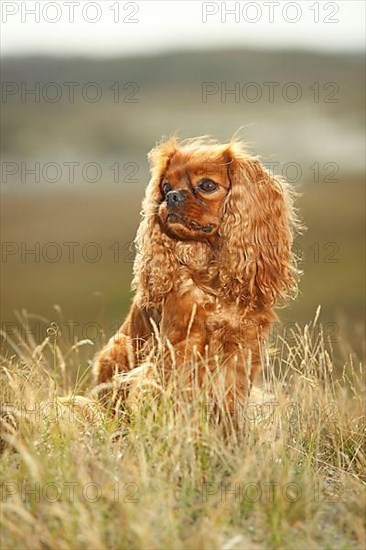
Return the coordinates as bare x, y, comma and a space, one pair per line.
188, 67
317, 102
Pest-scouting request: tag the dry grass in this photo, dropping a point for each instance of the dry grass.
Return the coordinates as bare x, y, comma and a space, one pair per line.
163, 476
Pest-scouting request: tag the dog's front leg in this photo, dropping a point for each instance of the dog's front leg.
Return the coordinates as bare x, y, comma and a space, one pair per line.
122, 351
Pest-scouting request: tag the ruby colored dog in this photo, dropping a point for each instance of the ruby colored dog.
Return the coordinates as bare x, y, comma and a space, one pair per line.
213, 259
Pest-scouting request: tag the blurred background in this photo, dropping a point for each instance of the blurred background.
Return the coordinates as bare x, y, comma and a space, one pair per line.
85, 95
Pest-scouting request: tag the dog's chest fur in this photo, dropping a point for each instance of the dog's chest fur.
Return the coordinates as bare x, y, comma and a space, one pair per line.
196, 296
197, 291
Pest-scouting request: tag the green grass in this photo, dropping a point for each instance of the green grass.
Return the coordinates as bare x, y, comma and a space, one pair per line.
162, 475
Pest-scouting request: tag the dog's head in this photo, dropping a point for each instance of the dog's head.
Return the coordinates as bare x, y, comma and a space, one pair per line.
218, 194
193, 183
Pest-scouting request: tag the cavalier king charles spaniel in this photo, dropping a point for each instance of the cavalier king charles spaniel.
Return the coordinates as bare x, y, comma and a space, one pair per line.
213, 257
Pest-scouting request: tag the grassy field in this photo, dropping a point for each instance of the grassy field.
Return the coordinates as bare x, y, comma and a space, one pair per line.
165, 474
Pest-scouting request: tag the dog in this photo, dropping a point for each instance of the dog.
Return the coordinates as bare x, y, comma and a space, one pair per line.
213, 258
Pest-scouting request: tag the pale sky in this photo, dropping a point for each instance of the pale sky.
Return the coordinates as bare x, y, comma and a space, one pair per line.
149, 26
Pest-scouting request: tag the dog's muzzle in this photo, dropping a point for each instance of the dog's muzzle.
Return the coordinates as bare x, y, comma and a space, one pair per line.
175, 199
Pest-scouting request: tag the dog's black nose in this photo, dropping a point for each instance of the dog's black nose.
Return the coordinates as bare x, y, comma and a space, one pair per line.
175, 198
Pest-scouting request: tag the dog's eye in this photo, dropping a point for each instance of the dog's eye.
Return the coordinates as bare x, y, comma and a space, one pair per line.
166, 188
207, 186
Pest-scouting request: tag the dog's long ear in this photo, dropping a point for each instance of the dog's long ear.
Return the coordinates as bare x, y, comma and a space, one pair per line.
154, 261
257, 265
